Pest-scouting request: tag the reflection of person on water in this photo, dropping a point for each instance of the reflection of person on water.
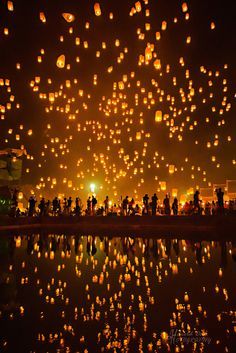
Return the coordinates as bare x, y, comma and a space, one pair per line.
91, 246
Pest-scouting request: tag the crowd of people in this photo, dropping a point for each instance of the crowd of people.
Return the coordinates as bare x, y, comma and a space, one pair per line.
128, 206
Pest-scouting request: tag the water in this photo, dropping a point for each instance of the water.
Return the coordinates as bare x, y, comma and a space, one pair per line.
99, 294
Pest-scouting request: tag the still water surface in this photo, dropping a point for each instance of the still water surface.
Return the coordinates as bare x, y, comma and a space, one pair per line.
99, 294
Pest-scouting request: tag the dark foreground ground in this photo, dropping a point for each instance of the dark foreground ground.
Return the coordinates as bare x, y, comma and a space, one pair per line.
204, 227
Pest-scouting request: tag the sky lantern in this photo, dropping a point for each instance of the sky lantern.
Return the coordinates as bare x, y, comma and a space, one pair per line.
138, 6
42, 17
68, 17
171, 169
174, 192
157, 64
134, 90
163, 25
97, 9
158, 35
138, 135
213, 26
163, 185
148, 53
184, 7
158, 116
10, 6
61, 61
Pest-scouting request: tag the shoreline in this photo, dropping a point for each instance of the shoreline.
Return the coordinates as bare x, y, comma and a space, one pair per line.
220, 227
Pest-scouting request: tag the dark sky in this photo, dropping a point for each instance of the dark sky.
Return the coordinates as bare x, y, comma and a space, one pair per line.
209, 48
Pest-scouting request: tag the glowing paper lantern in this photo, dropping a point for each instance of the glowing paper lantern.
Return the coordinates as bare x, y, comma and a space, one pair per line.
158, 35
18, 242
10, 6
138, 135
97, 9
61, 61
174, 192
184, 7
164, 25
163, 185
171, 168
158, 116
138, 6
68, 17
42, 17
157, 64
148, 54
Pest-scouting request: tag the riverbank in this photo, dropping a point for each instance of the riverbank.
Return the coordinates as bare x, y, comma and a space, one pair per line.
204, 227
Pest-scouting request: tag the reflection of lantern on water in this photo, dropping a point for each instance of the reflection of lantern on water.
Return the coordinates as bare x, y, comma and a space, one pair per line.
97, 9
52, 255
158, 116
18, 242
175, 269
163, 185
164, 336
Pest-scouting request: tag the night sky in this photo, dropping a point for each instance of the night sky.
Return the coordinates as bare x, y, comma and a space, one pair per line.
93, 120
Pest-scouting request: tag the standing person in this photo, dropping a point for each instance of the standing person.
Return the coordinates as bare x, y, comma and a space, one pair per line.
131, 207
54, 206
175, 206
220, 198
145, 203
154, 204
89, 203
106, 203
42, 207
59, 206
14, 199
32, 203
69, 204
166, 203
208, 209
77, 206
65, 205
196, 202
47, 207
94, 202
125, 205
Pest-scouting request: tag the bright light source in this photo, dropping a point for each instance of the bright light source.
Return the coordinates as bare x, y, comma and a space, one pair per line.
92, 187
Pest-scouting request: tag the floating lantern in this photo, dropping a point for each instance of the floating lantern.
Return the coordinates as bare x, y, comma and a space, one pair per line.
158, 116
97, 9
68, 17
61, 61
